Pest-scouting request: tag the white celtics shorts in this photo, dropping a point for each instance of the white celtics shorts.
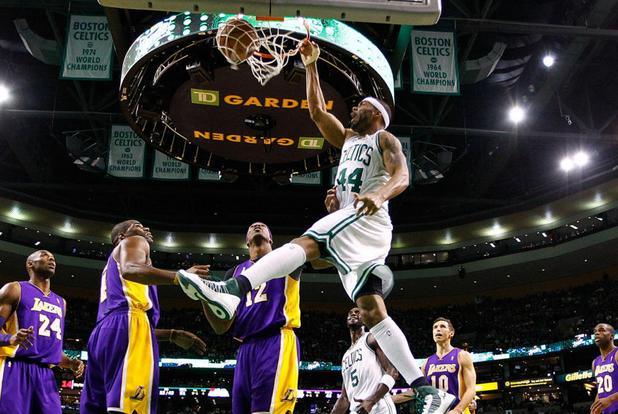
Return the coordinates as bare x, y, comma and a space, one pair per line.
355, 245
383, 406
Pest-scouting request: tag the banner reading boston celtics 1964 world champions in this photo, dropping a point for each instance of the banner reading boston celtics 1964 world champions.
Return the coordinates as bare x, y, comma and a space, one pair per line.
434, 63
88, 50
126, 153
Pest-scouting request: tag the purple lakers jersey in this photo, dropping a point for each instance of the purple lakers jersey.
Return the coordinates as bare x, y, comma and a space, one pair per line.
120, 294
273, 305
443, 373
606, 374
45, 313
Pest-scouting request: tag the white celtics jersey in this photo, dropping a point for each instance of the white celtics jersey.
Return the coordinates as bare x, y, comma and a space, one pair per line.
361, 372
361, 168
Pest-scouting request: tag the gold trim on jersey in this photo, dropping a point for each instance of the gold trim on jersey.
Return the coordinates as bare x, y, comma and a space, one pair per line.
291, 308
136, 294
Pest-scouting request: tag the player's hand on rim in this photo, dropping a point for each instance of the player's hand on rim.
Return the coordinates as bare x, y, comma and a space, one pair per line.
200, 270
23, 338
370, 203
187, 340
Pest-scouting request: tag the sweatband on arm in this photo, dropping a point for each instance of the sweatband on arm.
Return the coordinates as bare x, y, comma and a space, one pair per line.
388, 381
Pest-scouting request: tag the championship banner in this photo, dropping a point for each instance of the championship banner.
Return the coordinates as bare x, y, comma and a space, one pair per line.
312, 178
406, 147
126, 153
168, 168
434, 63
208, 175
88, 49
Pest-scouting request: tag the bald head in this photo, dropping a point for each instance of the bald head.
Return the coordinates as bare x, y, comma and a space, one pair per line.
121, 229
41, 264
604, 335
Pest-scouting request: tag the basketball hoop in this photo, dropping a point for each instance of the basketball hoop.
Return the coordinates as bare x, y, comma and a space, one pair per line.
266, 49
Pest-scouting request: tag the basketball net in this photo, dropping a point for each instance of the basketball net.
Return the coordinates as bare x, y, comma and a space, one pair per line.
272, 49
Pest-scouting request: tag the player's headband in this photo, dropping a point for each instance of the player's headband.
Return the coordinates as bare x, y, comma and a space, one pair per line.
381, 109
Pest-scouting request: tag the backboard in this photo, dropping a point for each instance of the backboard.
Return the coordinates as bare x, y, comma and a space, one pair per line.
408, 12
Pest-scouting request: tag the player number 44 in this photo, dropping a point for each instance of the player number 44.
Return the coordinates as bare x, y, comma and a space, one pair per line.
355, 179
45, 329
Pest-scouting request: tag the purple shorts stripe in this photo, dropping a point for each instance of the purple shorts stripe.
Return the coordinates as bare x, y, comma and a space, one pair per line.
28, 388
255, 387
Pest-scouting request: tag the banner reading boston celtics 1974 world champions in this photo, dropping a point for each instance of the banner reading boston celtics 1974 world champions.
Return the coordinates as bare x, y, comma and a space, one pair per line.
434, 63
88, 50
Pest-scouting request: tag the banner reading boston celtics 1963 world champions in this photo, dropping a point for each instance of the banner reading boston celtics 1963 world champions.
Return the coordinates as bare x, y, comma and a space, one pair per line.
126, 153
434, 63
88, 50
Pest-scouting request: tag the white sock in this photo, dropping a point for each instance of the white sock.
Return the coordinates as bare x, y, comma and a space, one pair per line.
276, 264
395, 346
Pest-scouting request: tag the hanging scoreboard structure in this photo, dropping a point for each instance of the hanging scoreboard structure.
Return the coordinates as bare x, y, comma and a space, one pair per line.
181, 96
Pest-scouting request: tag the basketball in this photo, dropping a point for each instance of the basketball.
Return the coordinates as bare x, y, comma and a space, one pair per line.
236, 40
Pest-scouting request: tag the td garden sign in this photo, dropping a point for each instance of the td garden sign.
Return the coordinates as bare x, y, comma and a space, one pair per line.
237, 118
182, 97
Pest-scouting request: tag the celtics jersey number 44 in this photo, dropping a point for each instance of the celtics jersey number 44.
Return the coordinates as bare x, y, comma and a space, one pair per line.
361, 168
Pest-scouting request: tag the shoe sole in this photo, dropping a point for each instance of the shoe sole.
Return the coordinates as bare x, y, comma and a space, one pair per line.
194, 292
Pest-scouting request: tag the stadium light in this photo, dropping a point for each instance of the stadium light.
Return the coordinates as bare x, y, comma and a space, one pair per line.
516, 114
567, 164
581, 159
5, 94
548, 61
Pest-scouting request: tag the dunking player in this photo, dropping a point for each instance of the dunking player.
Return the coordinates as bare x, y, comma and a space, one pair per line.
266, 374
355, 238
123, 357
605, 370
368, 375
31, 337
450, 369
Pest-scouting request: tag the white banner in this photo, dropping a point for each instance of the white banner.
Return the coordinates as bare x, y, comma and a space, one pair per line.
434, 63
126, 153
312, 178
406, 146
88, 49
208, 175
168, 168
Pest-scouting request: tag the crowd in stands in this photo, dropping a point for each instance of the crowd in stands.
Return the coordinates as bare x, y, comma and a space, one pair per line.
488, 324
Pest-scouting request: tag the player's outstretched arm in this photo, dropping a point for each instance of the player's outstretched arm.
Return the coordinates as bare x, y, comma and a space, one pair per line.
332, 129
469, 380
396, 165
184, 339
134, 264
342, 404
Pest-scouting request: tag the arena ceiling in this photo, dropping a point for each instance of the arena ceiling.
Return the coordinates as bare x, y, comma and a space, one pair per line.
496, 168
